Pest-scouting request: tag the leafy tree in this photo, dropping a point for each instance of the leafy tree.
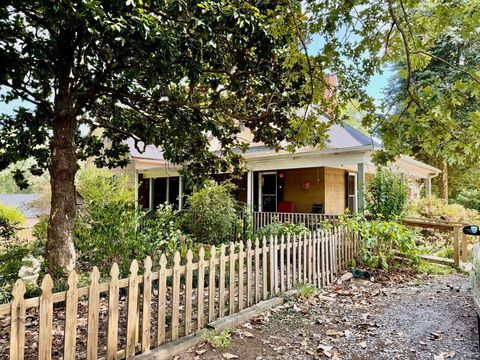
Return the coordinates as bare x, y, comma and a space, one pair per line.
9, 186
435, 46
409, 135
435, 96
174, 74
388, 195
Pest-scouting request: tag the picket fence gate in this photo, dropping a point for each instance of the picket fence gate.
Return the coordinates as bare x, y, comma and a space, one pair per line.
124, 317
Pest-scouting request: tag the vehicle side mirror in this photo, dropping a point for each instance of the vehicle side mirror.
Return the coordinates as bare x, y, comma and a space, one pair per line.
471, 230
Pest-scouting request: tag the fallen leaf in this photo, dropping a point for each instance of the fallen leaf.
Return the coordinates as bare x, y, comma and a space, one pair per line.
362, 344
201, 351
248, 334
229, 356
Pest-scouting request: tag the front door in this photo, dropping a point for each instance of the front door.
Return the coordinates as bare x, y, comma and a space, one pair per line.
267, 196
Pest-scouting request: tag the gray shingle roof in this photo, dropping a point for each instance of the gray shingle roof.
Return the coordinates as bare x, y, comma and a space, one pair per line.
341, 136
345, 136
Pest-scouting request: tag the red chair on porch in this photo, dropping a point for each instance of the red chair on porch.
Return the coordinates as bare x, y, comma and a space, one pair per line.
285, 207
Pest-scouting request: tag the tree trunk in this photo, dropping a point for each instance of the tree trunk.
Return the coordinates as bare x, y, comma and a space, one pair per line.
443, 181
60, 250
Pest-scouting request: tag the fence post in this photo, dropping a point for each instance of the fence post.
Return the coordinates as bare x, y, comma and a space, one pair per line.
289, 274
132, 306
147, 304
45, 319
221, 284
305, 258
257, 271
162, 291
113, 298
264, 269
17, 322
231, 268
71, 308
272, 266
464, 247
456, 243
294, 262
282, 263
176, 295
249, 272
92, 322
211, 285
200, 288
240, 275
188, 292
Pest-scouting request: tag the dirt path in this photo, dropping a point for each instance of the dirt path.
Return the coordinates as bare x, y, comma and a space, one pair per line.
393, 318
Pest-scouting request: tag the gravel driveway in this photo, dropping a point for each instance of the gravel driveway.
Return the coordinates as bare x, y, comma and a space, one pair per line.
400, 316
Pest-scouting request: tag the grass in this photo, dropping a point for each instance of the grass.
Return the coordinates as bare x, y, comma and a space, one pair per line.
305, 291
221, 340
425, 267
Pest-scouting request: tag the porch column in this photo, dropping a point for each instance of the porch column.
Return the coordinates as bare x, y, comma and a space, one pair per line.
250, 191
361, 187
428, 186
150, 194
180, 192
136, 188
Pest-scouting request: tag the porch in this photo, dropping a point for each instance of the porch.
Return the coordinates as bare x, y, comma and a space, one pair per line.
314, 181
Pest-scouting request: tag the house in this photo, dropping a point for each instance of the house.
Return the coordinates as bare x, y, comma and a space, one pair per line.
311, 180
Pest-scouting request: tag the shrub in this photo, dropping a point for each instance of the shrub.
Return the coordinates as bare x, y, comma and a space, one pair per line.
110, 228
435, 208
7, 230
469, 199
163, 233
387, 195
106, 223
381, 241
211, 214
12, 214
276, 228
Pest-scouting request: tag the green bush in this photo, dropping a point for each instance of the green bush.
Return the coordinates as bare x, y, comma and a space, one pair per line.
12, 214
469, 199
381, 241
8, 231
106, 223
110, 228
438, 209
276, 228
211, 214
163, 234
387, 195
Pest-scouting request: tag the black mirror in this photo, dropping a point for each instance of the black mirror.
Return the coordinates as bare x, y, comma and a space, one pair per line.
471, 230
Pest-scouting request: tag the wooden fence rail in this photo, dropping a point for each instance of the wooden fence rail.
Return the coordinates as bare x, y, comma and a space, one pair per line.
119, 318
460, 241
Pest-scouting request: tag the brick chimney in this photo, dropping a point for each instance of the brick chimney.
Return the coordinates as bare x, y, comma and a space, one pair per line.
331, 80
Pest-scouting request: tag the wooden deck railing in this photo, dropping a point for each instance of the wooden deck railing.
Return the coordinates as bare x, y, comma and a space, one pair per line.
116, 318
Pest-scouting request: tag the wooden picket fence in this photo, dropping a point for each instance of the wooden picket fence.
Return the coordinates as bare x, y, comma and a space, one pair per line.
120, 318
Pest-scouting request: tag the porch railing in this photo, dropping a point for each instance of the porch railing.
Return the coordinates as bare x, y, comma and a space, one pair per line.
311, 221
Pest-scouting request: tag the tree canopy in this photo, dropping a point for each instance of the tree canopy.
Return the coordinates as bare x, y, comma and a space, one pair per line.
432, 106
174, 74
